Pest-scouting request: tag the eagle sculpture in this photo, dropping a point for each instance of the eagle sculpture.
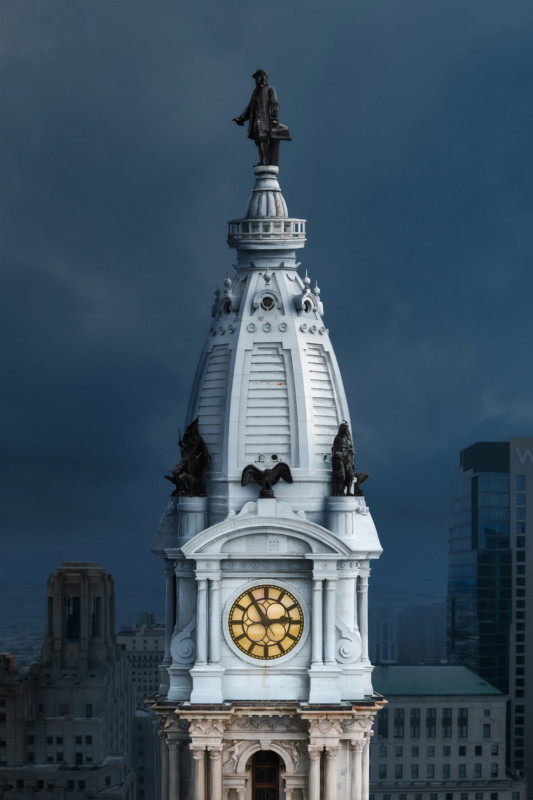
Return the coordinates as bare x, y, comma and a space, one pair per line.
266, 478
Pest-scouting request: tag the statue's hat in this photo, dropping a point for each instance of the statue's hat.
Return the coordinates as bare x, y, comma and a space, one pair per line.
260, 72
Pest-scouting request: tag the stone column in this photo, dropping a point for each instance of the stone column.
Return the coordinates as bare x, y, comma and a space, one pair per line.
198, 754
173, 771
315, 752
331, 613
356, 750
362, 612
214, 622
215, 771
330, 778
170, 607
164, 766
201, 622
316, 622
366, 766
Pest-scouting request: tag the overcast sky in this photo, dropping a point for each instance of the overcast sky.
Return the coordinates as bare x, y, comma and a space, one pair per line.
411, 160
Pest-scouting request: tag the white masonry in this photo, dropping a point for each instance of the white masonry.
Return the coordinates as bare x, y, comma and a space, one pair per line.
267, 389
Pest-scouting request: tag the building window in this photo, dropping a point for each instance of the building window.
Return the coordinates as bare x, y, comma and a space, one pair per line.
430, 771
88, 710
398, 751
59, 757
494, 770
479, 795
414, 771
477, 770
64, 709
446, 751
382, 772
464, 795
431, 723
414, 751
414, 723
433, 796
486, 731
520, 499
520, 513
398, 723
72, 619
81, 786
383, 723
79, 759
398, 771
462, 771
520, 483
430, 750
445, 770
446, 723
88, 740
79, 740
462, 723
462, 750
70, 786
382, 750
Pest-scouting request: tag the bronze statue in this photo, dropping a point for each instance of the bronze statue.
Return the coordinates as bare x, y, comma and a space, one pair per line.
187, 474
342, 460
266, 478
263, 125
360, 477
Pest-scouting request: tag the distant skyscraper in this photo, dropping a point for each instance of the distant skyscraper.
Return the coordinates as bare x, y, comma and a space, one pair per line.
490, 573
66, 724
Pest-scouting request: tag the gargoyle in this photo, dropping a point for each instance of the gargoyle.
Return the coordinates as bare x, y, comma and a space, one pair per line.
266, 478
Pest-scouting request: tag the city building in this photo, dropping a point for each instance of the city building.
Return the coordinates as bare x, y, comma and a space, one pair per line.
66, 723
144, 646
408, 632
251, 709
441, 736
422, 634
491, 581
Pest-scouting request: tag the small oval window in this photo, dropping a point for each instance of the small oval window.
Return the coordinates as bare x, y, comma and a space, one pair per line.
267, 303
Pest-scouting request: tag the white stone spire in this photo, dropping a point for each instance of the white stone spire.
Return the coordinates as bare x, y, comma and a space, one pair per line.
268, 387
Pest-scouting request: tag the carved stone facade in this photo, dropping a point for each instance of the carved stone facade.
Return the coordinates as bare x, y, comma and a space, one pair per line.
266, 675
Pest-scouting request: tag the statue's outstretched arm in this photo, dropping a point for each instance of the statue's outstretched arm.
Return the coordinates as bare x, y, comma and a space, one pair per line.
240, 120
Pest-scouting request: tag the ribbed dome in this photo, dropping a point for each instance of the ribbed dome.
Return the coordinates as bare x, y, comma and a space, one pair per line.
266, 200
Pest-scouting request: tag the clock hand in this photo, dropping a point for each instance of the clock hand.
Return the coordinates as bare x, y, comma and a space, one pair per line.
264, 619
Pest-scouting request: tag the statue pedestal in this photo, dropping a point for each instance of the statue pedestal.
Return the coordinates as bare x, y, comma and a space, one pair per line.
193, 517
341, 515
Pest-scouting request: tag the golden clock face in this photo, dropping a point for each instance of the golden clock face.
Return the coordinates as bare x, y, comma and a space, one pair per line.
266, 622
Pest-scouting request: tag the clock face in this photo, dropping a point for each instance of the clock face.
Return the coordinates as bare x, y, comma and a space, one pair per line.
266, 622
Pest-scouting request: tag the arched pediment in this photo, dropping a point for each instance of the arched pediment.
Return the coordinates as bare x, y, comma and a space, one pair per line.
267, 744
251, 532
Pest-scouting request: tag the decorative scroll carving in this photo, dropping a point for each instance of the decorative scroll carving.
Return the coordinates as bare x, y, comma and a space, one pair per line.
349, 646
207, 727
183, 646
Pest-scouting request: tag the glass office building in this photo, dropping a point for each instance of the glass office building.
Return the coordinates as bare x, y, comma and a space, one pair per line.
490, 579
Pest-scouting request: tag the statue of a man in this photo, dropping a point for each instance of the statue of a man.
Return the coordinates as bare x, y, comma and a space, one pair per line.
262, 115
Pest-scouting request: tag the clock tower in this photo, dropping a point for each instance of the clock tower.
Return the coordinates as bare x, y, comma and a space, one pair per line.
266, 689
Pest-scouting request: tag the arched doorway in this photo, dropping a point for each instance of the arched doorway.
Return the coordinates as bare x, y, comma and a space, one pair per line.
265, 775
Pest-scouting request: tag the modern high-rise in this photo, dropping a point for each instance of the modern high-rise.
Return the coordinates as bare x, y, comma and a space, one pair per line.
66, 723
490, 581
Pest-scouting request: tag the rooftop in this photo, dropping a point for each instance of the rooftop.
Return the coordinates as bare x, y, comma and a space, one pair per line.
438, 680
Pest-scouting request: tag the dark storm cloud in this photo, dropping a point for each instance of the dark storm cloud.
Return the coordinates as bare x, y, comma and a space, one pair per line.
119, 167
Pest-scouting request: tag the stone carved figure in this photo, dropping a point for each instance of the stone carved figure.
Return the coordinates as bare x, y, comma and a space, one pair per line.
342, 460
266, 478
187, 474
234, 752
262, 116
